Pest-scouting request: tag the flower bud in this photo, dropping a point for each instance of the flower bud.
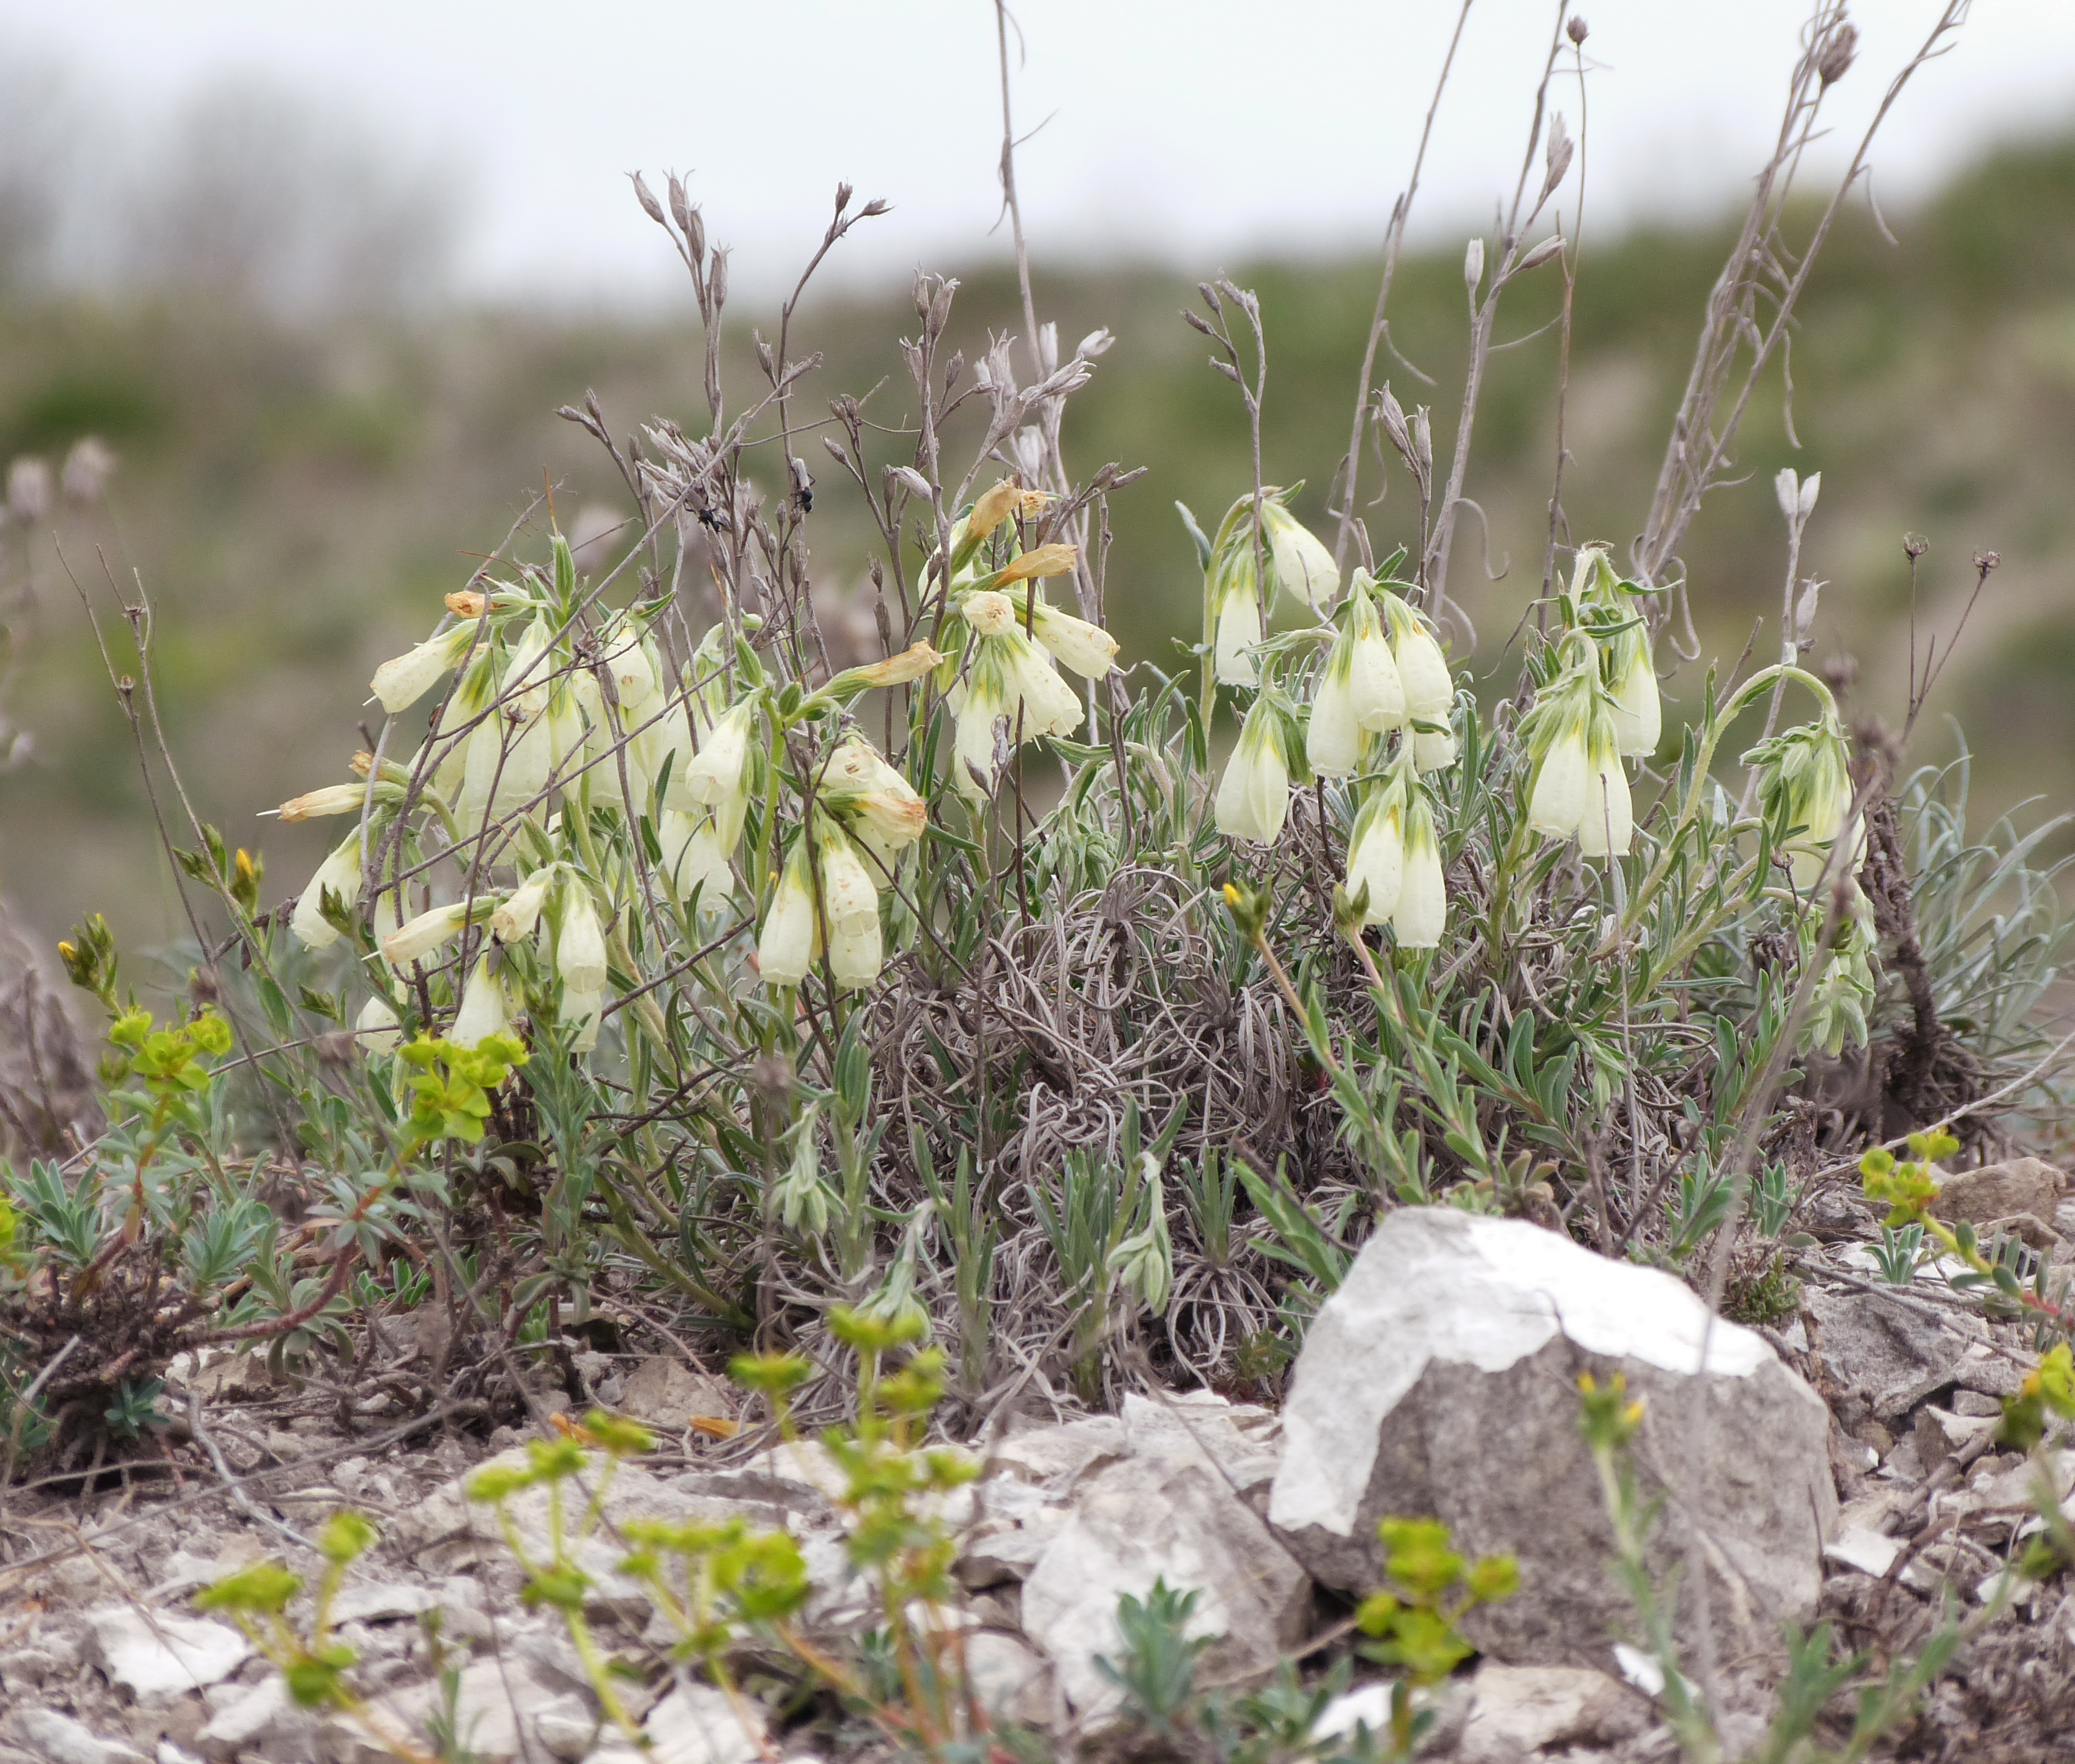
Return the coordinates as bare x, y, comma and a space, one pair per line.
425, 934
402, 680
333, 799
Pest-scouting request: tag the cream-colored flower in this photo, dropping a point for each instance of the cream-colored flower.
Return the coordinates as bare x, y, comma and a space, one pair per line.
786, 945
1638, 711
420, 936
333, 799
1236, 622
1359, 692
340, 872
1376, 854
1556, 798
1303, 563
520, 911
485, 1010
1088, 650
401, 682
377, 1029
1422, 669
1421, 914
1607, 823
883, 804
580, 957
716, 773
694, 858
1253, 795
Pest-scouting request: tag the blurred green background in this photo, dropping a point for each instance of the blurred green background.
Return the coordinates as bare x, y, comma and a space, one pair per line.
297, 493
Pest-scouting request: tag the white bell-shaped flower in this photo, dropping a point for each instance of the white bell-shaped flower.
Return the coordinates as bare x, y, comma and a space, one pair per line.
1303, 563
340, 872
786, 945
1421, 914
1253, 795
1235, 625
1422, 669
1376, 854
377, 1029
1556, 796
484, 1009
1088, 650
694, 860
1607, 823
401, 682
580, 954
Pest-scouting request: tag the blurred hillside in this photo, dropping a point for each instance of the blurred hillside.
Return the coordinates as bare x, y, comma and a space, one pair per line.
296, 495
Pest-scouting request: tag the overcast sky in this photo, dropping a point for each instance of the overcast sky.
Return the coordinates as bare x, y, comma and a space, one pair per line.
1196, 131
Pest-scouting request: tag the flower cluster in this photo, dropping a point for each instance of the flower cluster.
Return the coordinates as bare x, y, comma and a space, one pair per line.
1379, 716
576, 774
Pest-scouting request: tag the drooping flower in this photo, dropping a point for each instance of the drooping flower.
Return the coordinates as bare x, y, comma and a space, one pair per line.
420, 936
715, 774
1562, 770
1005, 677
1429, 690
1578, 787
694, 858
850, 903
1088, 650
1253, 795
340, 872
581, 963
787, 942
1611, 612
1608, 824
520, 911
1233, 591
882, 807
1301, 563
484, 1009
377, 1029
1359, 692
401, 682
1376, 853
1805, 789
1421, 914
580, 955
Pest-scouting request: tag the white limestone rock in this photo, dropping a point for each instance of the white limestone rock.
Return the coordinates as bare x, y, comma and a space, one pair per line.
162, 1654
1440, 1381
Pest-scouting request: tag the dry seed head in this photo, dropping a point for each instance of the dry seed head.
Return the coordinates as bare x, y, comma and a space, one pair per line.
1473, 264
1837, 53
646, 198
1914, 545
1577, 30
